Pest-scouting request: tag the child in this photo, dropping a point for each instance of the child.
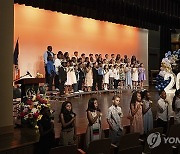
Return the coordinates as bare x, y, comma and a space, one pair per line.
116, 76
121, 76
111, 77
114, 119
134, 76
68, 121
141, 76
162, 112
128, 79
94, 129
106, 77
176, 106
147, 112
136, 111
46, 130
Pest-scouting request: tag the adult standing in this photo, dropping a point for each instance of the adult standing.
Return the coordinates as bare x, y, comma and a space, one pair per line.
47, 54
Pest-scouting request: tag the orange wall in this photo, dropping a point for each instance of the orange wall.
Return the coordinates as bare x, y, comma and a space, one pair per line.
37, 28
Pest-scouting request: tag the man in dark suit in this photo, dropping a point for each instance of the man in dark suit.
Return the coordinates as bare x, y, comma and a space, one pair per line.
62, 78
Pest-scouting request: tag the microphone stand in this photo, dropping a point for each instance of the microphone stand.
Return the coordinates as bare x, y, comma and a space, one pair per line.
20, 77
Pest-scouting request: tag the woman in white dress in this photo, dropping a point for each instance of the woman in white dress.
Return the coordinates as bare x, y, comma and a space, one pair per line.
88, 77
106, 77
135, 76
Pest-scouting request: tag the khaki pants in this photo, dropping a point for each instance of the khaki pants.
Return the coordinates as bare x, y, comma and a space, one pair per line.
67, 137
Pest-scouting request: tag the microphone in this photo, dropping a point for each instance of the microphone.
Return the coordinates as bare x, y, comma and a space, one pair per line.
28, 73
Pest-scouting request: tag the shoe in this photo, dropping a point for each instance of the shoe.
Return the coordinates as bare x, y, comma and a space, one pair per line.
57, 89
76, 92
81, 91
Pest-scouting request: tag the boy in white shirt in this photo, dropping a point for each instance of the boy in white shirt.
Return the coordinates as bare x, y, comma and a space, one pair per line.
162, 111
114, 119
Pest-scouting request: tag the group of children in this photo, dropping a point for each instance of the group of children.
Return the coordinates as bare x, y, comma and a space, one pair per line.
141, 120
91, 73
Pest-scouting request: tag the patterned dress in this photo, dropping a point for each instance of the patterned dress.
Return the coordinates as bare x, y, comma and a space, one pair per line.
142, 75
137, 122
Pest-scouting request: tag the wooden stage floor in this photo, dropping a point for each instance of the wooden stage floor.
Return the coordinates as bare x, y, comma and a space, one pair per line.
23, 136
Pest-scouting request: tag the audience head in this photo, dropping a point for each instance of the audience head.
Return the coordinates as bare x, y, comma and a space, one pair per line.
45, 111
116, 100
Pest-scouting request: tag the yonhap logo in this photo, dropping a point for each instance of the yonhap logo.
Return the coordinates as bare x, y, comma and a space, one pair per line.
154, 140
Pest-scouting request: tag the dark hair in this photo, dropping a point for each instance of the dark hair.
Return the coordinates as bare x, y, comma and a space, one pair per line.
43, 109
161, 91
115, 96
174, 99
144, 94
134, 97
91, 106
63, 107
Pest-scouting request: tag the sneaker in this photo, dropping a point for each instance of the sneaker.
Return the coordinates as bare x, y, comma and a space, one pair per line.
81, 91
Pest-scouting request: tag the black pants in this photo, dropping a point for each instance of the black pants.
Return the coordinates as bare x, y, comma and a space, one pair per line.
161, 123
80, 82
51, 78
61, 88
95, 82
56, 81
116, 82
100, 80
46, 75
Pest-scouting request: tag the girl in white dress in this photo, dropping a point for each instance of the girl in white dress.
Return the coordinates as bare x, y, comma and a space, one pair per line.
88, 77
68, 83
72, 75
134, 76
106, 77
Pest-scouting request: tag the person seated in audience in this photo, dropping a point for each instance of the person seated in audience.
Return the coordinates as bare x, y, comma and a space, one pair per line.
46, 130
176, 106
68, 122
162, 111
114, 119
94, 129
136, 124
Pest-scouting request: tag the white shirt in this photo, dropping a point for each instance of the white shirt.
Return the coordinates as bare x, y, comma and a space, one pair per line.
116, 74
114, 116
111, 74
164, 106
57, 64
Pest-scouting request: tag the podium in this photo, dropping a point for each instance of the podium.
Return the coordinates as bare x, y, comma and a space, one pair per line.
29, 84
